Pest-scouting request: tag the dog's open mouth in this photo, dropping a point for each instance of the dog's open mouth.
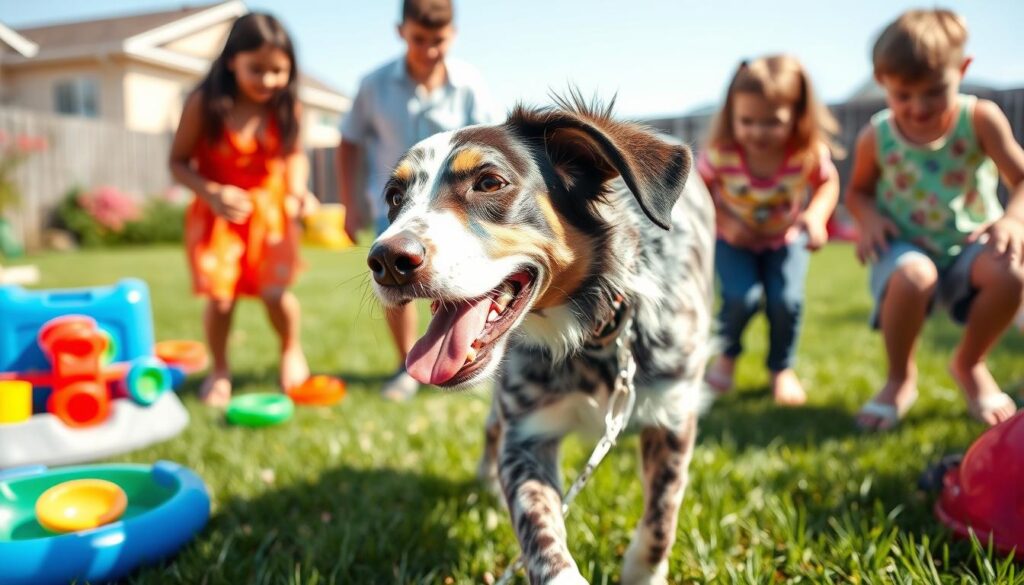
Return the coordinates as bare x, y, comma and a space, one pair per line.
461, 334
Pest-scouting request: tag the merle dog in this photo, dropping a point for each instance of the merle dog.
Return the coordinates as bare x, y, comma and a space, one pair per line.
533, 239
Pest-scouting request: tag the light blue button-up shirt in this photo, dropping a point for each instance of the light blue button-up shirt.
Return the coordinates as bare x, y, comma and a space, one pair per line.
391, 113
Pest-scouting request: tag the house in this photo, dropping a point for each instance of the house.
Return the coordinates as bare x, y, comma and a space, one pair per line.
137, 69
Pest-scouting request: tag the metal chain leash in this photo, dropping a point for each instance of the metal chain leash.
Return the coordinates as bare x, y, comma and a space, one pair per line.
620, 408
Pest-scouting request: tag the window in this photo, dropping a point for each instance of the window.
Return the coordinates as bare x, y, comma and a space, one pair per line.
78, 97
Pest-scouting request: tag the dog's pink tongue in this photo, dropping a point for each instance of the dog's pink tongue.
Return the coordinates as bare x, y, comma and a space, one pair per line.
441, 352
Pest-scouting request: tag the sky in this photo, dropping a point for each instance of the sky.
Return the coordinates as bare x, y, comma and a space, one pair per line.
658, 57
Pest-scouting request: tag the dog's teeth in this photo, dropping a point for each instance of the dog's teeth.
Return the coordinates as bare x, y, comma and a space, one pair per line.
470, 355
492, 316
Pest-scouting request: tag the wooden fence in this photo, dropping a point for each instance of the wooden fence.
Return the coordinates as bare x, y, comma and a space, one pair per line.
80, 152
91, 153
851, 116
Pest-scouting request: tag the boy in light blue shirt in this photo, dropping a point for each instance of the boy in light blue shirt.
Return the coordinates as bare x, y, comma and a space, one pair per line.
399, 104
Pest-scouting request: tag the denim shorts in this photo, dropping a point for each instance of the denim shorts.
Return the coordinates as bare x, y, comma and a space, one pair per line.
953, 293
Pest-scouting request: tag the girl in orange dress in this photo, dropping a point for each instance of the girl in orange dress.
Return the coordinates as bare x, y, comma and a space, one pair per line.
237, 147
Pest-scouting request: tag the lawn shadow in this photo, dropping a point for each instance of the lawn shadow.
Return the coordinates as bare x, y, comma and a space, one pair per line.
351, 525
750, 419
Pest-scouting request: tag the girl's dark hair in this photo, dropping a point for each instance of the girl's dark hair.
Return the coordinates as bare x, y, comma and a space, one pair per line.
219, 88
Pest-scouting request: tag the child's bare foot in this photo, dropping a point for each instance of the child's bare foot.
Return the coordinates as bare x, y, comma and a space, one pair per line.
216, 389
294, 369
889, 406
985, 401
787, 389
720, 374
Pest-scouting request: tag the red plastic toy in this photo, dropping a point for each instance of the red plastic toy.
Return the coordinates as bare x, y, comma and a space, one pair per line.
986, 492
75, 347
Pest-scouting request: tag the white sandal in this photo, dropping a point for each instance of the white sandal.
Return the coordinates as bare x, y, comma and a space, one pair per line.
889, 415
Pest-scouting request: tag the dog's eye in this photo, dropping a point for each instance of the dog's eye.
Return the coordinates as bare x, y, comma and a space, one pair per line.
394, 196
489, 183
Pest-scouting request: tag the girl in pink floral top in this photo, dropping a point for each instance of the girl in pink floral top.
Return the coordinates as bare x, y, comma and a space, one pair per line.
768, 166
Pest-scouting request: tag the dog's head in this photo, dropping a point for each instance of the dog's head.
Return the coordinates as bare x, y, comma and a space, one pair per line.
493, 222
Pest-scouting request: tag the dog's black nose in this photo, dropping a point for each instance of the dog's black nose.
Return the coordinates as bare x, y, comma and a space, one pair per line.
394, 261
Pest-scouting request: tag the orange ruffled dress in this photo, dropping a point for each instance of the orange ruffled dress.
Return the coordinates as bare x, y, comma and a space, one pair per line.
228, 260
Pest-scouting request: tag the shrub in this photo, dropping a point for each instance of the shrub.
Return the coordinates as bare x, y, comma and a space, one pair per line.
107, 216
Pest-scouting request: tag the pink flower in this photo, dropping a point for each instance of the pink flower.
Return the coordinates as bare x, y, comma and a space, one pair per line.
27, 143
959, 147
110, 208
893, 158
954, 178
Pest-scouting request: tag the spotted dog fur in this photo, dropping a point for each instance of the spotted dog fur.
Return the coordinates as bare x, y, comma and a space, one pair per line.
566, 208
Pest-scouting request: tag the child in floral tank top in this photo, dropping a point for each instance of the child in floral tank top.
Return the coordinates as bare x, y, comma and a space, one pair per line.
923, 192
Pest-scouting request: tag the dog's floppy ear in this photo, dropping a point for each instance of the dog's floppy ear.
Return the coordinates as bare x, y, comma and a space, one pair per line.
583, 142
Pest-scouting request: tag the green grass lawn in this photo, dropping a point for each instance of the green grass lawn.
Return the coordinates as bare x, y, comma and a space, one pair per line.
374, 492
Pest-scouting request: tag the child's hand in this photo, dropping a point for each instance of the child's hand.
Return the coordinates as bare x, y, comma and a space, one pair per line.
231, 203
733, 231
301, 205
816, 230
875, 231
1004, 236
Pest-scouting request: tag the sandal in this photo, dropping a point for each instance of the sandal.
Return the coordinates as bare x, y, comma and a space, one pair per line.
889, 415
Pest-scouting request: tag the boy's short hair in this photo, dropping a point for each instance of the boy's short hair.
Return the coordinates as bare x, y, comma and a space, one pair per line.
428, 13
920, 42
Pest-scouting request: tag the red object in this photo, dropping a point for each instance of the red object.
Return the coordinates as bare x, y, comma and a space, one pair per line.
318, 391
75, 347
840, 230
189, 356
986, 492
80, 404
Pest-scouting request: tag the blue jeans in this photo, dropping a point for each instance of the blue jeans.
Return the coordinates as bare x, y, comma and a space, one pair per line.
777, 276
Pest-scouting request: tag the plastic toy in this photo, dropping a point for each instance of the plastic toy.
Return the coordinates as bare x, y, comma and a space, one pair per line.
121, 310
260, 409
188, 356
15, 401
80, 504
45, 439
326, 227
984, 492
166, 506
318, 391
84, 351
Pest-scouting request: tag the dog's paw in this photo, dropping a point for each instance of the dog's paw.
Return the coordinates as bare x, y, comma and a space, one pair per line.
636, 571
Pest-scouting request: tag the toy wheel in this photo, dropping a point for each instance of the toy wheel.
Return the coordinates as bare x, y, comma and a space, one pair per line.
260, 409
146, 380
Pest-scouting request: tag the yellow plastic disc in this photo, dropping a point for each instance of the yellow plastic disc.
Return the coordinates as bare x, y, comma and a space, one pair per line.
80, 504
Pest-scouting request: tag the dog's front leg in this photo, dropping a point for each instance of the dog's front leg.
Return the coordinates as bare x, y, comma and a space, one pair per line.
530, 480
665, 455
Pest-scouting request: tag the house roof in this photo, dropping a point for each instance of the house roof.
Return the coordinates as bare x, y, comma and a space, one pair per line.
105, 30
20, 44
143, 36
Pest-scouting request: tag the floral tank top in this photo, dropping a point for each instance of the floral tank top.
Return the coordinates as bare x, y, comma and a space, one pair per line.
937, 193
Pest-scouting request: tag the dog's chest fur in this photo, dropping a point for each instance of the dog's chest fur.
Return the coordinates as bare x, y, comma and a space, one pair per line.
665, 279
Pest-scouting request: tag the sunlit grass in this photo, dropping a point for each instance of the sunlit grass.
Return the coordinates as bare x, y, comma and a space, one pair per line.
374, 492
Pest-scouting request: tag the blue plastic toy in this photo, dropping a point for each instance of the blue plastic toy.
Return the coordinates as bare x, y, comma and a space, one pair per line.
167, 505
121, 310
